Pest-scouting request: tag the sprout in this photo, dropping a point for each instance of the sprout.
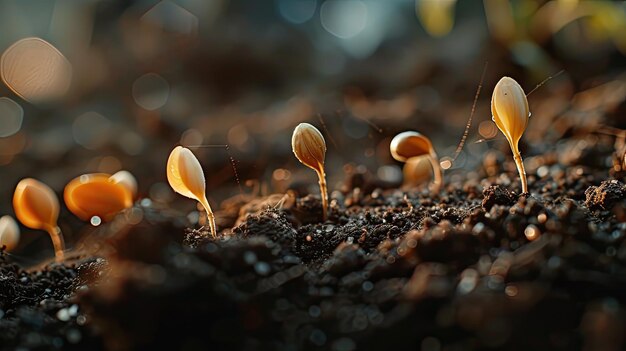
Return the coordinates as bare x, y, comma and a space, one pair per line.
126, 179
186, 177
417, 170
9, 233
408, 145
509, 107
309, 147
97, 194
37, 207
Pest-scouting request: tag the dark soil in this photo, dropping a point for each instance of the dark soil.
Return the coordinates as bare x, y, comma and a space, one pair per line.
476, 267
38, 310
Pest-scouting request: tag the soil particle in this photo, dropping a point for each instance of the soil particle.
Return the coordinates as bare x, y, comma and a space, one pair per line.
497, 195
606, 195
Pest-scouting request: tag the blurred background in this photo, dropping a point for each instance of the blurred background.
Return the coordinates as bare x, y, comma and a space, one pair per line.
117, 84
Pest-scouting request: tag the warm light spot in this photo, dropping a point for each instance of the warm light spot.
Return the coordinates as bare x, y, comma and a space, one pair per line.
134, 216
238, 137
151, 91
446, 163
532, 232
191, 137
281, 174
542, 218
511, 290
11, 115
487, 129
343, 18
437, 16
109, 164
35, 70
12, 145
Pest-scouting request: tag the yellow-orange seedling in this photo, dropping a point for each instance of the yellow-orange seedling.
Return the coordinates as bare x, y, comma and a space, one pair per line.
186, 177
96, 195
37, 207
309, 146
126, 179
510, 111
9, 233
417, 170
408, 145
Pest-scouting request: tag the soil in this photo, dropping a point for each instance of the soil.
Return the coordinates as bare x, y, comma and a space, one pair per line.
476, 267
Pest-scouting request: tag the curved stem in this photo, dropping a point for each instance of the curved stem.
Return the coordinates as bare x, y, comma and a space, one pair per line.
438, 174
324, 193
520, 168
57, 242
210, 216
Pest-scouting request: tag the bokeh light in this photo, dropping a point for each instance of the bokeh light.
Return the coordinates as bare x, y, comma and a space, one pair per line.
91, 130
151, 91
297, 12
35, 70
11, 116
437, 16
487, 129
343, 18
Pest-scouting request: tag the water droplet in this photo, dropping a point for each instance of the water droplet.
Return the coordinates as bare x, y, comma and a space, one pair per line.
95, 221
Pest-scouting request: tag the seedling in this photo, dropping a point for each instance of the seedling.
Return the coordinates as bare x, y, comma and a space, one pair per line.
37, 207
417, 170
186, 177
9, 233
97, 195
408, 145
309, 147
510, 111
126, 179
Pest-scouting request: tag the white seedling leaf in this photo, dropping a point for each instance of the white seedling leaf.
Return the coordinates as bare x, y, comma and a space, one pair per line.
185, 174
309, 146
9, 233
509, 107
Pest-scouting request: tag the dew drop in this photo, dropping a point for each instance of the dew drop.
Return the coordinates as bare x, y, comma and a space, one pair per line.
95, 221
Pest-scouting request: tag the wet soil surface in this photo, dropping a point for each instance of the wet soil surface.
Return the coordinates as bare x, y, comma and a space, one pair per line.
476, 267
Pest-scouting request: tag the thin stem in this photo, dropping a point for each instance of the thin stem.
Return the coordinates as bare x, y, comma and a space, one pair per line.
438, 175
522, 172
324, 192
57, 242
210, 216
